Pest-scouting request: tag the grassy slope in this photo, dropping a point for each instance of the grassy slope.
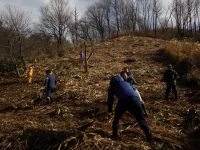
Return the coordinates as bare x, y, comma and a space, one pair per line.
79, 92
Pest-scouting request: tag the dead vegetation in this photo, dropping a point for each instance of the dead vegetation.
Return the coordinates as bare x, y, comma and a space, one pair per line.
78, 119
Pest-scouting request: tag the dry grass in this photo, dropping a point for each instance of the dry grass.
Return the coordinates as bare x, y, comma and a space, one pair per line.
81, 101
184, 50
186, 55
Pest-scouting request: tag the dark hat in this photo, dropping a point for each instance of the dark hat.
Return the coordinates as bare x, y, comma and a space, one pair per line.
48, 71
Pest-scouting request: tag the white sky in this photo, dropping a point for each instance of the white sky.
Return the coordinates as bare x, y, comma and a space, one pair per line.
31, 7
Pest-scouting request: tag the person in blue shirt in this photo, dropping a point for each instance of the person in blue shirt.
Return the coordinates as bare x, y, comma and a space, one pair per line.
50, 85
128, 100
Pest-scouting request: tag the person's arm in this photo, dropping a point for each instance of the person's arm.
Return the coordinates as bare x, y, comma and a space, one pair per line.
110, 99
175, 75
131, 80
46, 81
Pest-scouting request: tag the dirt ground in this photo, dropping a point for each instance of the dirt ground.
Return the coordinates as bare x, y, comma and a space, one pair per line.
77, 118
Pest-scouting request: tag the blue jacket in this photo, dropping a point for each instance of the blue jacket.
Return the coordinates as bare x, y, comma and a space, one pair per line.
121, 89
50, 81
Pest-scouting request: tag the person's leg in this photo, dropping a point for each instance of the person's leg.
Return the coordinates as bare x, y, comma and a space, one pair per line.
48, 94
174, 90
168, 89
119, 111
136, 111
30, 79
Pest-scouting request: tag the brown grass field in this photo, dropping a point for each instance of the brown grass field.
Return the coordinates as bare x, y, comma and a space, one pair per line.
77, 119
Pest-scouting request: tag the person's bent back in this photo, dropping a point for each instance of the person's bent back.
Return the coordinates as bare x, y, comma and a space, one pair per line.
128, 100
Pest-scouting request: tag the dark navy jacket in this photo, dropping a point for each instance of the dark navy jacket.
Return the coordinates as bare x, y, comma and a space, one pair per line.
170, 75
50, 81
121, 89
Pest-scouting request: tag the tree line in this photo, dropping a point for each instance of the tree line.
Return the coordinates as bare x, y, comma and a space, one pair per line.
102, 19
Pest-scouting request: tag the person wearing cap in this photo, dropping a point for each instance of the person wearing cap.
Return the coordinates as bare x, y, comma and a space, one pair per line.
130, 79
128, 100
50, 84
170, 76
30, 74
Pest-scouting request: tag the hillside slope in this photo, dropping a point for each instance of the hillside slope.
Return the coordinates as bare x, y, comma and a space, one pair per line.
80, 106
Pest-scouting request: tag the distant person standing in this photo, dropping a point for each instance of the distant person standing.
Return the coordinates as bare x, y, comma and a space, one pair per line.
30, 74
50, 85
170, 77
82, 54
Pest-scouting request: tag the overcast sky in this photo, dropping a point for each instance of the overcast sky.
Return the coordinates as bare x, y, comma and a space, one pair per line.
32, 6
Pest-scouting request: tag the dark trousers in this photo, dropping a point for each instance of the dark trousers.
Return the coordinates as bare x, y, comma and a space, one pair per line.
133, 106
171, 87
49, 91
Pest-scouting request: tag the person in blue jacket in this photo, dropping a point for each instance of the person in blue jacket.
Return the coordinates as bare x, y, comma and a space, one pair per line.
50, 84
128, 100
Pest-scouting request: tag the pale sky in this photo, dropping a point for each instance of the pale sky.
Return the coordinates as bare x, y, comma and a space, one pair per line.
31, 7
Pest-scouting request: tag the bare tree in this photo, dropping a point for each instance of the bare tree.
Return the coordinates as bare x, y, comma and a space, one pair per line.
197, 15
132, 13
84, 29
73, 27
106, 4
156, 12
95, 15
17, 25
177, 7
144, 8
115, 5
55, 19
189, 12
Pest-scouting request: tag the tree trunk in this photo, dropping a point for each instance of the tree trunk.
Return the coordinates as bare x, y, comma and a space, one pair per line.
86, 62
22, 58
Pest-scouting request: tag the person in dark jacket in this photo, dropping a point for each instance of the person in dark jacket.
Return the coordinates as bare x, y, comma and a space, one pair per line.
170, 77
50, 85
128, 100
